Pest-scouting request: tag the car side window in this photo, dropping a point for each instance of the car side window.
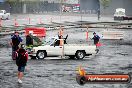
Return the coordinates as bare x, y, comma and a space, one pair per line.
57, 43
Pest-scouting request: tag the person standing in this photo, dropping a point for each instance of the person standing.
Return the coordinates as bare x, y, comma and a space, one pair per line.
96, 38
29, 40
60, 33
21, 61
15, 41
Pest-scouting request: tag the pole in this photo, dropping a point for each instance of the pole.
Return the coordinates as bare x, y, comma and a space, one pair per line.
80, 11
61, 1
87, 34
98, 13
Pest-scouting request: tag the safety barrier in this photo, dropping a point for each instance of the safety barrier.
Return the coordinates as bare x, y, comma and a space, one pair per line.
36, 31
113, 34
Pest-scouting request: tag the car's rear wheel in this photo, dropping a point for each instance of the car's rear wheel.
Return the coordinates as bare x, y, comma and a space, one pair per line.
41, 54
80, 55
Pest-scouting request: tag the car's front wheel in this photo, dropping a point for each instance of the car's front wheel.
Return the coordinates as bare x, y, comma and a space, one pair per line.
41, 54
80, 55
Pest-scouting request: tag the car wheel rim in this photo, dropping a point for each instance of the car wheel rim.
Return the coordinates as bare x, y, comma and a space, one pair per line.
80, 54
41, 55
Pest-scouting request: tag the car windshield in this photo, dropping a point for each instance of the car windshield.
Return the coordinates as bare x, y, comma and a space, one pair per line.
48, 41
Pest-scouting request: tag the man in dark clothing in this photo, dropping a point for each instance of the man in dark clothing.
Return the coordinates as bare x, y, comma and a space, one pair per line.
21, 61
16, 39
96, 38
29, 40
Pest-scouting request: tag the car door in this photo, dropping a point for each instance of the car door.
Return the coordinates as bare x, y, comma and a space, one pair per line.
55, 49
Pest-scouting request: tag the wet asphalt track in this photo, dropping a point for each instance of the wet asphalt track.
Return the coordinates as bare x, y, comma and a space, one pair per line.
114, 57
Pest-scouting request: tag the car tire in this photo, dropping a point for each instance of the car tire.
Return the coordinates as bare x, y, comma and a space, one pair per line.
80, 55
41, 54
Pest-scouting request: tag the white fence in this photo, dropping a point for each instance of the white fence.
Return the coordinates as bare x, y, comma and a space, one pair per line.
113, 34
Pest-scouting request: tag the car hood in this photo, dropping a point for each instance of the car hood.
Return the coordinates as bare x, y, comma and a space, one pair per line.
41, 47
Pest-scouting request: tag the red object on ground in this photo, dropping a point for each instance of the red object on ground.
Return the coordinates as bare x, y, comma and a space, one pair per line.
36, 31
98, 44
87, 36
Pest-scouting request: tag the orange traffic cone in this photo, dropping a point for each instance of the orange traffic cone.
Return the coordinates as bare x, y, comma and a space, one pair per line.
15, 23
86, 36
81, 71
29, 20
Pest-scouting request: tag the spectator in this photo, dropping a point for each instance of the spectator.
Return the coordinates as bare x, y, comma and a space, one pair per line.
16, 39
96, 38
29, 39
21, 61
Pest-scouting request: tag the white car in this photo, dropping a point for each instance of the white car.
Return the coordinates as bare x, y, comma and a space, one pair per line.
4, 15
55, 49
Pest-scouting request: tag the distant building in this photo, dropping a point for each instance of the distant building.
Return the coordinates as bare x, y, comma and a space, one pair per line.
4, 6
58, 1
49, 1
89, 6
114, 4
92, 6
82, 6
